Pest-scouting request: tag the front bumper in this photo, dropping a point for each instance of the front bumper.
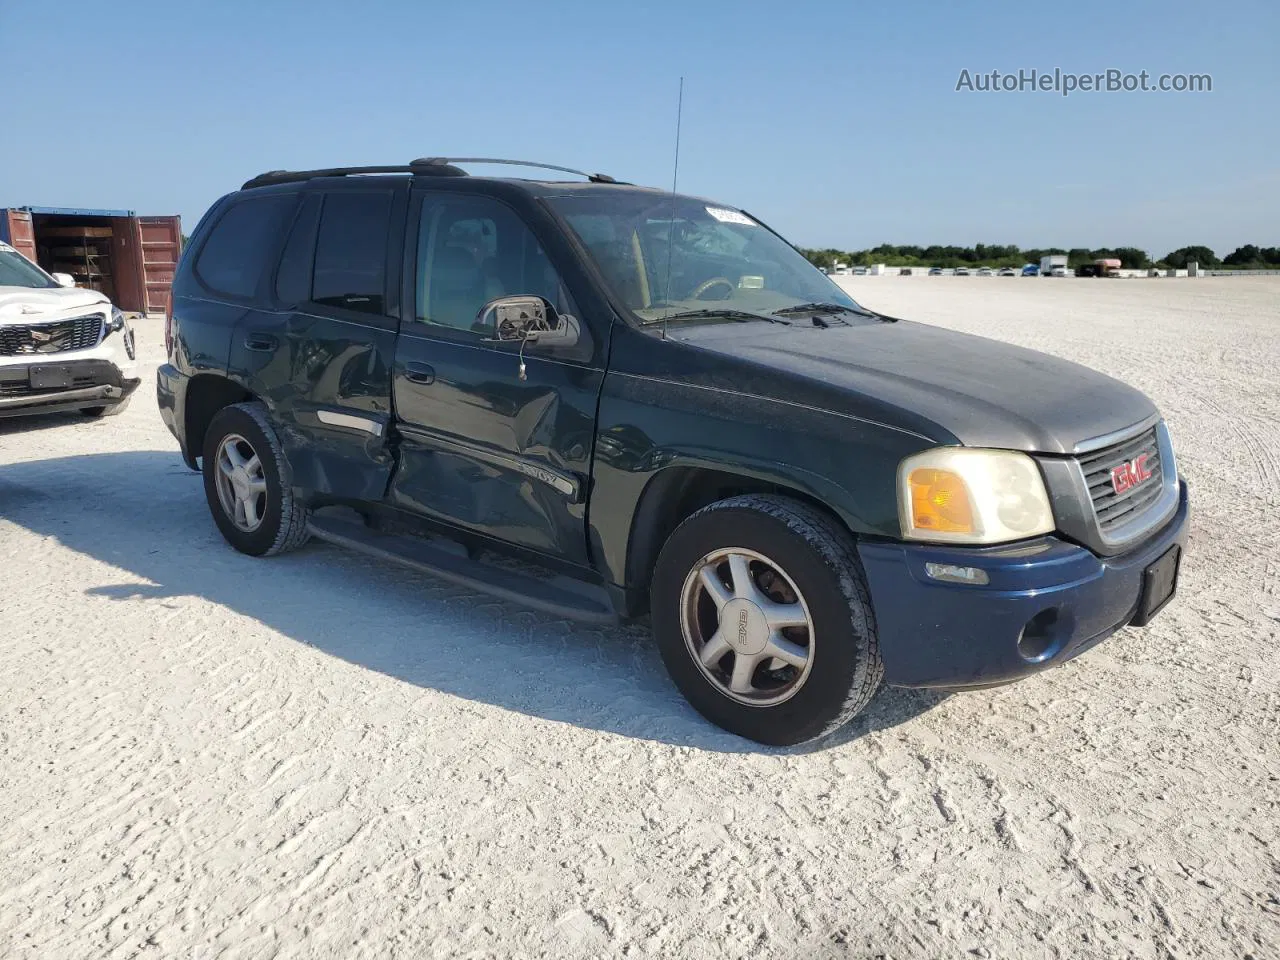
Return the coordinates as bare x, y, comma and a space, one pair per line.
940, 634
87, 383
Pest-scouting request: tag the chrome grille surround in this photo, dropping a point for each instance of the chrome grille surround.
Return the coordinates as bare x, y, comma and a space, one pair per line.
1124, 518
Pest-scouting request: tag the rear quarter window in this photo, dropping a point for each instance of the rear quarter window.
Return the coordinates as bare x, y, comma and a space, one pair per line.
242, 243
293, 278
351, 251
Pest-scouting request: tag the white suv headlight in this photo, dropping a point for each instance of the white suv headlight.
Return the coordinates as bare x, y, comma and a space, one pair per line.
963, 495
117, 322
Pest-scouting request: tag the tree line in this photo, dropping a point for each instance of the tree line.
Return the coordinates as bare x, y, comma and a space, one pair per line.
1247, 257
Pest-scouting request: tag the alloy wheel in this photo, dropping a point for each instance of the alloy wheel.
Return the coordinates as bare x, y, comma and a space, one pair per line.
747, 626
242, 486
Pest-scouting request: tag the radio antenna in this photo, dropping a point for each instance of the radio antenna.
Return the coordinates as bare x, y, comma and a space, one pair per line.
671, 226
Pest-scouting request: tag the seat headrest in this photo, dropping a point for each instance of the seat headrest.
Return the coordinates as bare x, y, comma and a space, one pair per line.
454, 269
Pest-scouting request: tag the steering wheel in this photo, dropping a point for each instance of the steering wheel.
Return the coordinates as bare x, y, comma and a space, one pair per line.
709, 284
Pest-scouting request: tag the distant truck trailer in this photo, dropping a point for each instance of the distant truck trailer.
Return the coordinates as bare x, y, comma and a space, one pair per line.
1053, 262
1104, 267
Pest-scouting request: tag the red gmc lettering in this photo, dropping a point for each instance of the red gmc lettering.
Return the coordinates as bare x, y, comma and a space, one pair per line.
1129, 475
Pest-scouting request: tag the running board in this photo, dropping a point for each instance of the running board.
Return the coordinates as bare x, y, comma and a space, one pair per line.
559, 596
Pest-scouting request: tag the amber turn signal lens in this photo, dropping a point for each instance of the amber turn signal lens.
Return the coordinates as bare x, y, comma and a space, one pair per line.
940, 501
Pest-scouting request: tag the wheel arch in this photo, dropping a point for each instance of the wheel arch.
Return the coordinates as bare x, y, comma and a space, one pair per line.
207, 393
678, 491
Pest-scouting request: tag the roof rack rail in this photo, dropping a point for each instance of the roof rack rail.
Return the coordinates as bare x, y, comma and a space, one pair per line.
425, 166
293, 176
445, 161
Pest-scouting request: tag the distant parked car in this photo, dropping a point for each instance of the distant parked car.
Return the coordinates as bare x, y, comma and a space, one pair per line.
962, 271
1060, 271
859, 271
1031, 269
935, 271
1008, 272
984, 272
904, 272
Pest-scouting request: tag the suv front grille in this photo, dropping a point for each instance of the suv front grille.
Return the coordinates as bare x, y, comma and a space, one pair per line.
77, 333
1113, 509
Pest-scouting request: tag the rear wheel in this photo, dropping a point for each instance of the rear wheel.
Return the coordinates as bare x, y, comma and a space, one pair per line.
247, 483
762, 615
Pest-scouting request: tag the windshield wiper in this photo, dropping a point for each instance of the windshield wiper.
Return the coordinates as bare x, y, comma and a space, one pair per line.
821, 307
727, 312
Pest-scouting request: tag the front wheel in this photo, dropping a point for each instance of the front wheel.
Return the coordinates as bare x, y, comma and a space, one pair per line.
247, 483
762, 615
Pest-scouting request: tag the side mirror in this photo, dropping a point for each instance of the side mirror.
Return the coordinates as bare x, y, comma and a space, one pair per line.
64, 279
527, 320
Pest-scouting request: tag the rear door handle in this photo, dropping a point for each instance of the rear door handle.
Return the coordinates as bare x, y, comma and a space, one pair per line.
419, 372
261, 342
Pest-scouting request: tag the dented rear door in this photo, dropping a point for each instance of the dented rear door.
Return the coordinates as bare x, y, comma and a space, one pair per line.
322, 359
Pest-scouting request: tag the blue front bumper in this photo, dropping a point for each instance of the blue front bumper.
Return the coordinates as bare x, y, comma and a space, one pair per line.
938, 634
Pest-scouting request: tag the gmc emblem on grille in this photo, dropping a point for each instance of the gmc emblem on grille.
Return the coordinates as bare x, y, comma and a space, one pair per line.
1129, 475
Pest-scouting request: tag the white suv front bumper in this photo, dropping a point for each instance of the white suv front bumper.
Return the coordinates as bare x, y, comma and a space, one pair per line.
35, 377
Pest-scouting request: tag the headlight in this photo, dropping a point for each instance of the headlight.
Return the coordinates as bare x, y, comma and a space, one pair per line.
118, 323
963, 495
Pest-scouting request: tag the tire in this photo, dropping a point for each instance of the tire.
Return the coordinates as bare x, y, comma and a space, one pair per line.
796, 556
281, 518
111, 410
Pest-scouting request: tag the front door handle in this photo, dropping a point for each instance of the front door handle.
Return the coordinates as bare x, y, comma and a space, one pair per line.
419, 372
261, 342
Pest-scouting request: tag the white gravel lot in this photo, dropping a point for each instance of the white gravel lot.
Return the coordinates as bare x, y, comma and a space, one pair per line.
206, 755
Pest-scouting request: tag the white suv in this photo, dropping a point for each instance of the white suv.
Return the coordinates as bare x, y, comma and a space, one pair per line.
61, 348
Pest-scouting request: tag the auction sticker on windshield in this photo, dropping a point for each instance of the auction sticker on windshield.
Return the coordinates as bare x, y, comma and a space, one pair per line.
730, 216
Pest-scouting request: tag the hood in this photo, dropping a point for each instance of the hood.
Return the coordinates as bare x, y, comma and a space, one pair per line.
984, 392
31, 305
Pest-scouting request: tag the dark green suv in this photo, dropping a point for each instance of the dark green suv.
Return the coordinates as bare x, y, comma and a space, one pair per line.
607, 401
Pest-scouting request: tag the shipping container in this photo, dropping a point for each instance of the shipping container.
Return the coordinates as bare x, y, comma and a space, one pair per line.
129, 258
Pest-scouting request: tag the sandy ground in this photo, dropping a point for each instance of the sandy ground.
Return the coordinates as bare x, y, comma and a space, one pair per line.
205, 755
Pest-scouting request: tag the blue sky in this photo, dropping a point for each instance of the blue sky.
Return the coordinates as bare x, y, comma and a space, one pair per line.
838, 123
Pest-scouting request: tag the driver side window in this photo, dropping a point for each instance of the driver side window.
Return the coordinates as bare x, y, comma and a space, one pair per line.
472, 250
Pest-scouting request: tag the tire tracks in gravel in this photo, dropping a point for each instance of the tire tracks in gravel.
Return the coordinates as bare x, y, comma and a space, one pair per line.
1262, 456
218, 784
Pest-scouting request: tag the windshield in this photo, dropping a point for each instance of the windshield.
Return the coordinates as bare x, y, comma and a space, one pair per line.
720, 259
17, 271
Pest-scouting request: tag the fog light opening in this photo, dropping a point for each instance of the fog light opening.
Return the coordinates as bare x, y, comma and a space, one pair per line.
1041, 636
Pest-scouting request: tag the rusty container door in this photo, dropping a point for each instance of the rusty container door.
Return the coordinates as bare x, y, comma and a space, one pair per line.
17, 231
126, 265
161, 239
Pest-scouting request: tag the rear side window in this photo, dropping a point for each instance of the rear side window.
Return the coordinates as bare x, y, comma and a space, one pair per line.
234, 258
351, 252
293, 279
